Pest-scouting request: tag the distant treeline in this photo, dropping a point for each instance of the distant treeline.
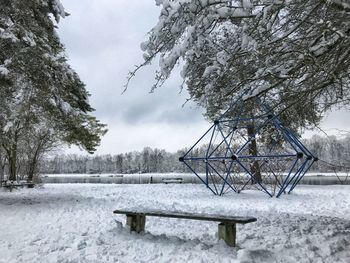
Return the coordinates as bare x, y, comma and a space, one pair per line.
329, 149
333, 152
147, 161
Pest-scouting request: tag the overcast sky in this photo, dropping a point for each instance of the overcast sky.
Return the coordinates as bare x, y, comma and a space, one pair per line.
102, 39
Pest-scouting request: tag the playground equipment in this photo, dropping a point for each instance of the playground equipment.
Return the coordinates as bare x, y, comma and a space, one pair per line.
255, 152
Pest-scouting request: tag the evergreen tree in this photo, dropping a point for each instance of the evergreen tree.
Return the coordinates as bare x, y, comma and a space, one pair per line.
38, 87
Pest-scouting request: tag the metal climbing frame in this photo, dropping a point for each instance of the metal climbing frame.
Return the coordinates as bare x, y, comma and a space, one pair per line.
256, 152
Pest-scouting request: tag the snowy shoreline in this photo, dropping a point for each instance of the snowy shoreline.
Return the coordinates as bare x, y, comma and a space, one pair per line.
156, 178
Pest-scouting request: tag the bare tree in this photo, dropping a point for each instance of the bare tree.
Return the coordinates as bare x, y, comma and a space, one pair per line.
36, 145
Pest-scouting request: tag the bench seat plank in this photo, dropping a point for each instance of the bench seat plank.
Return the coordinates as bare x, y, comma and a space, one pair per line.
194, 216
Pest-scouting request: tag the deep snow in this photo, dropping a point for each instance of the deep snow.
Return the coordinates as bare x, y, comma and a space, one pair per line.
75, 223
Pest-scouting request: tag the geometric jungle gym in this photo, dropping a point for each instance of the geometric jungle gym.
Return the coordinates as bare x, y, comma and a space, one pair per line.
255, 152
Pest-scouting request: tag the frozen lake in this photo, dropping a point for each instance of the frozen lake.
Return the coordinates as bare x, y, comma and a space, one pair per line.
155, 178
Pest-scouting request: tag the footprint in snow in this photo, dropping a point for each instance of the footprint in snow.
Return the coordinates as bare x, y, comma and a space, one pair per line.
81, 245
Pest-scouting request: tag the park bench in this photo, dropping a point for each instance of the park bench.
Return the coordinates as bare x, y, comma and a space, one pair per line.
172, 180
227, 227
13, 184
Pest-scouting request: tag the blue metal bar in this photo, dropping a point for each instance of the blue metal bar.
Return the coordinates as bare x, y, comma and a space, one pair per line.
229, 172
198, 176
253, 137
220, 142
217, 158
238, 100
289, 133
247, 182
230, 107
219, 128
284, 184
301, 177
225, 180
206, 174
199, 140
301, 145
295, 179
225, 137
211, 139
244, 119
220, 176
276, 177
254, 179
232, 183
267, 156
294, 139
242, 135
297, 173
213, 181
286, 133
286, 137
260, 166
227, 150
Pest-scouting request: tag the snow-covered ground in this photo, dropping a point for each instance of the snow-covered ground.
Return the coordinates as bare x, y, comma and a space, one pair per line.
75, 223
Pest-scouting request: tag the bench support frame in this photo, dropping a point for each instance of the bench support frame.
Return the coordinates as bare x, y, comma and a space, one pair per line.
227, 232
136, 222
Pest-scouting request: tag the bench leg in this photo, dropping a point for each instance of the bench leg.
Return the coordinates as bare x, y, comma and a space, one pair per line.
136, 222
227, 232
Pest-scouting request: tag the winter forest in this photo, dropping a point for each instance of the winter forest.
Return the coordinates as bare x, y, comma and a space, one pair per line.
337, 151
224, 122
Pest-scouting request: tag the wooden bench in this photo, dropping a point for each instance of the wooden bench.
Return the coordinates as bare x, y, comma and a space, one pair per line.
136, 220
10, 185
172, 180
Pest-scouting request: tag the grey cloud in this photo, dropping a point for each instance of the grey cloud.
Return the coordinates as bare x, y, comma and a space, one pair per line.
103, 43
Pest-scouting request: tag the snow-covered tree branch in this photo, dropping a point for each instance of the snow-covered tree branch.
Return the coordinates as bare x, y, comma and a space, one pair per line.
291, 53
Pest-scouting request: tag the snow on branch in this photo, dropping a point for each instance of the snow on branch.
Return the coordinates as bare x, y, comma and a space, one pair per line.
342, 4
58, 10
295, 49
3, 71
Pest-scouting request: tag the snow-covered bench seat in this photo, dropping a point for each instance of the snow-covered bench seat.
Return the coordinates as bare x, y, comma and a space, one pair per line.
227, 227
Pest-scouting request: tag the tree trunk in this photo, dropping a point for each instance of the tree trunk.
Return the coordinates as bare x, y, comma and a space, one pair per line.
2, 173
31, 171
13, 163
253, 151
2, 166
32, 164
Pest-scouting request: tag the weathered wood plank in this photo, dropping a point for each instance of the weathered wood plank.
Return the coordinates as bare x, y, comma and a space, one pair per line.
227, 232
194, 216
136, 222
